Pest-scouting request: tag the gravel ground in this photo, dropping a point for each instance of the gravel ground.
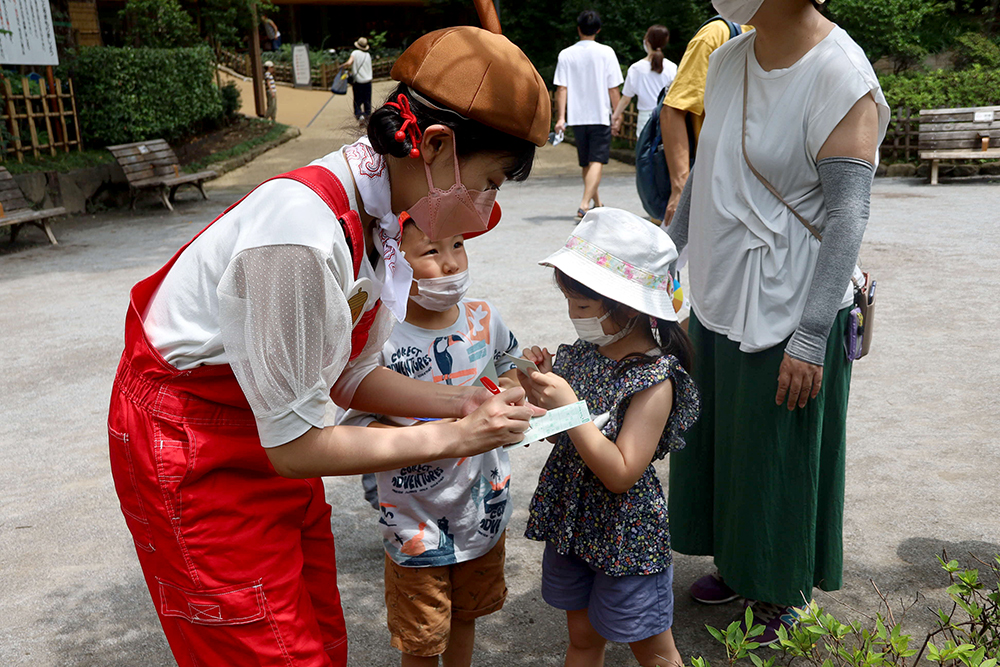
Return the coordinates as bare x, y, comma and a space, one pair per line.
923, 462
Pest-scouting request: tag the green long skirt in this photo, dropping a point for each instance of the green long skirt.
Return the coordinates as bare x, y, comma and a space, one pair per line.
758, 487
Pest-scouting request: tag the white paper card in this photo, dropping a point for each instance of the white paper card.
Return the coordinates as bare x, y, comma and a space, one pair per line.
522, 365
489, 372
983, 117
553, 422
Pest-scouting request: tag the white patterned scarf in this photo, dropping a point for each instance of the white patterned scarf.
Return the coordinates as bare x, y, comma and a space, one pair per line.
371, 174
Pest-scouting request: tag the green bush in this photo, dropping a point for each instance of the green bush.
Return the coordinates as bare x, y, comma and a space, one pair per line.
230, 99
125, 94
973, 87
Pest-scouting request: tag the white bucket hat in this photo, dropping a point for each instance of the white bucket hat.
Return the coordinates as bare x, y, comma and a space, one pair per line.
623, 257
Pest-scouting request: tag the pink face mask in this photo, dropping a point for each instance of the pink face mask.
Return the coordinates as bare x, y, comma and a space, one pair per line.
444, 213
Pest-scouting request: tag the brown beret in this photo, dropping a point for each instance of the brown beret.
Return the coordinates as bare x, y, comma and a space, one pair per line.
482, 76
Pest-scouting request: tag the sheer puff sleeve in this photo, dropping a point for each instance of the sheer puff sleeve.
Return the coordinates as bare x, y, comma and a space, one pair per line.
286, 327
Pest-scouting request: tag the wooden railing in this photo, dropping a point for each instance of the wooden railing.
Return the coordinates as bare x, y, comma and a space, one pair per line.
33, 123
321, 75
900, 145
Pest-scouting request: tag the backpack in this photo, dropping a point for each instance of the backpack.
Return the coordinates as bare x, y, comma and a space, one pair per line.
652, 179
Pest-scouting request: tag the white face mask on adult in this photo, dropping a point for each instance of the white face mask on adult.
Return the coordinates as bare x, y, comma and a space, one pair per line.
737, 11
440, 294
590, 330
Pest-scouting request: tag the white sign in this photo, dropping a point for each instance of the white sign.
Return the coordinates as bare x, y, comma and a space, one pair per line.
983, 117
301, 72
31, 40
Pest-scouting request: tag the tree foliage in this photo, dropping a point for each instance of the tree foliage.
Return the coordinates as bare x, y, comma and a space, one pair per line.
903, 30
157, 24
542, 28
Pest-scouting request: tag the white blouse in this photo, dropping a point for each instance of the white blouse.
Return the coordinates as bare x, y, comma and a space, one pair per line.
751, 261
266, 290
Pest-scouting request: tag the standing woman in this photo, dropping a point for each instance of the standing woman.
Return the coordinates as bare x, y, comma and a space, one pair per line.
360, 64
234, 349
646, 79
761, 485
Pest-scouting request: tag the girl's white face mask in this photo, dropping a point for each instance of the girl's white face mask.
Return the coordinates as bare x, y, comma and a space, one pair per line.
590, 330
440, 294
737, 11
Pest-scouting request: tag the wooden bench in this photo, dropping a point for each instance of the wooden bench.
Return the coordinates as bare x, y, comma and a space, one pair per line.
153, 164
959, 134
16, 211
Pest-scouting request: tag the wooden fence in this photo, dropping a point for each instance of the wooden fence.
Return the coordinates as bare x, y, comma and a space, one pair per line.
33, 123
321, 75
900, 143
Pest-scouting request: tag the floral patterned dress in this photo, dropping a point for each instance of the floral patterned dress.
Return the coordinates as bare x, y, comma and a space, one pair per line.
619, 534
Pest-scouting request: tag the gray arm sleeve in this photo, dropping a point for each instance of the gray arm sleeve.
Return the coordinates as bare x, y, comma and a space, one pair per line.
847, 185
678, 229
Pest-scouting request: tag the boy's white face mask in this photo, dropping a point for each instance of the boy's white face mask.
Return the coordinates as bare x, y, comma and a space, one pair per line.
440, 294
737, 11
591, 330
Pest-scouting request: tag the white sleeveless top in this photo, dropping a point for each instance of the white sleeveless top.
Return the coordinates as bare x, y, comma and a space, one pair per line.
752, 262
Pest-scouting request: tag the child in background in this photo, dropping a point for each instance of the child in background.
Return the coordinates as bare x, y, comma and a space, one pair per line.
443, 522
599, 506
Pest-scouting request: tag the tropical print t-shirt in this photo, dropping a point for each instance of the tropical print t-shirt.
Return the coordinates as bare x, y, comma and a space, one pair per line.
451, 510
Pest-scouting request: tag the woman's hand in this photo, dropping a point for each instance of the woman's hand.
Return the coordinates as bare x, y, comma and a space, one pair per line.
499, 420
549, 390
616, 124
799, 380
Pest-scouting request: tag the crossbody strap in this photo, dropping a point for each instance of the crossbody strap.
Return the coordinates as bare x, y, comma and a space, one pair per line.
760, 176
805, 223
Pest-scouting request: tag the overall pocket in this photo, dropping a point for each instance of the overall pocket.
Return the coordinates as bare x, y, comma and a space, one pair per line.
124, 473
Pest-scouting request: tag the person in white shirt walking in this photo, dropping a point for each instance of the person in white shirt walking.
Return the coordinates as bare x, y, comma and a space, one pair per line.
645, 80
587, 77
360, 64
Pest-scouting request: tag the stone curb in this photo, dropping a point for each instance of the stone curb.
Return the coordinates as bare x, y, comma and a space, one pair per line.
225, 166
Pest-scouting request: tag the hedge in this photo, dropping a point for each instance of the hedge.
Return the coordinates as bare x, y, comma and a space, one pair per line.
975, 87
129, 94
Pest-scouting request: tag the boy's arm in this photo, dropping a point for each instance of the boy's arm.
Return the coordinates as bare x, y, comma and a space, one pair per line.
509, 379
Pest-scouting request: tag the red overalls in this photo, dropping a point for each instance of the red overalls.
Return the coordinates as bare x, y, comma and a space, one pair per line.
239, 560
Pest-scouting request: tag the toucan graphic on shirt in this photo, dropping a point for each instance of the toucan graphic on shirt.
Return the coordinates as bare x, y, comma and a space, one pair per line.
442, 357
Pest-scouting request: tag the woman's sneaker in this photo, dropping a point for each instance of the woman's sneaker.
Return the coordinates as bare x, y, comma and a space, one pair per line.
772, 617
711, 589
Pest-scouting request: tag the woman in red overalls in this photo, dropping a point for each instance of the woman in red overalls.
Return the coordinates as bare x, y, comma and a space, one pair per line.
235, 348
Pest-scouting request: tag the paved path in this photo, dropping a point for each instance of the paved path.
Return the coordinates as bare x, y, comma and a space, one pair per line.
923, 461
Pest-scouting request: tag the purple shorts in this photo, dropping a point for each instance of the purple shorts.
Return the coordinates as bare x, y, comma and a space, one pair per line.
622, 609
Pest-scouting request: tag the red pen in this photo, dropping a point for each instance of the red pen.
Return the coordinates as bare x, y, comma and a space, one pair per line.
488, 383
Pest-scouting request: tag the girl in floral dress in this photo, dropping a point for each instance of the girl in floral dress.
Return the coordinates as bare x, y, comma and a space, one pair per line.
599, 506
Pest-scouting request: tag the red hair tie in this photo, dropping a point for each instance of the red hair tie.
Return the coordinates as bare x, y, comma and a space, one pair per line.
409, 124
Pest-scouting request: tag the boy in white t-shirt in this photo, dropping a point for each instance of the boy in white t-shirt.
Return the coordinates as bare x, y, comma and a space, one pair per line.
443, 522
587, 79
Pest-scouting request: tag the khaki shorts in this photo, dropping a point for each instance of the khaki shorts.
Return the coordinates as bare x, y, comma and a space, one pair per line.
421, 601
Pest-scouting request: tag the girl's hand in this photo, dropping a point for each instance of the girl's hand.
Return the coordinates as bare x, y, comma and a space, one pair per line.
549, 390
539, 356
799, 380
500, 420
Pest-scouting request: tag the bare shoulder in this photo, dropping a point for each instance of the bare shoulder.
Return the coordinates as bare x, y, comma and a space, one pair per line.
856, 135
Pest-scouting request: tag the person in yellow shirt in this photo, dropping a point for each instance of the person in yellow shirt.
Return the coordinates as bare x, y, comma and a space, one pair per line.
685, 101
